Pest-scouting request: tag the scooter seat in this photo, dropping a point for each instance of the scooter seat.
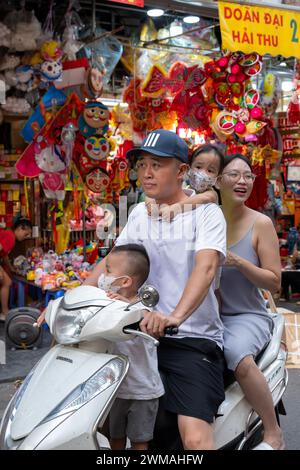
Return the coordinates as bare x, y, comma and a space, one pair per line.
272, 349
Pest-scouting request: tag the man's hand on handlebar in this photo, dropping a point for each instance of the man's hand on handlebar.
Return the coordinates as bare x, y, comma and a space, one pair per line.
155, 323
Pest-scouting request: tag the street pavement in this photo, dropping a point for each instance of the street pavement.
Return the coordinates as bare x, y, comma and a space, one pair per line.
20, 362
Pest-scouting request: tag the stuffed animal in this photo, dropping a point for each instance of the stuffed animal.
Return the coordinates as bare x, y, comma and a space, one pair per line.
9, 61
24, 77
53, 171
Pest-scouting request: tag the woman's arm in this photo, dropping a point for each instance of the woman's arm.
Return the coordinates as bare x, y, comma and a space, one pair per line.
268, 275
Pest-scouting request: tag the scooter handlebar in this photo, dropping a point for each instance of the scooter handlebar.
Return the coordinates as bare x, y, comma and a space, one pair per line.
171, 330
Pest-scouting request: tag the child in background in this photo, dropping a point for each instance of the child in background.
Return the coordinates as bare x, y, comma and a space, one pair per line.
21, 231
134, 411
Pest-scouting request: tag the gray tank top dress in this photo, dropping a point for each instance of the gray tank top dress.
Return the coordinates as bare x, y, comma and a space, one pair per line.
247, 324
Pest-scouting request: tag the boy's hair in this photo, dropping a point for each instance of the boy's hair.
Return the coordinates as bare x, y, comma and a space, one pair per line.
22, 222
208, 148
235, 156
138, 261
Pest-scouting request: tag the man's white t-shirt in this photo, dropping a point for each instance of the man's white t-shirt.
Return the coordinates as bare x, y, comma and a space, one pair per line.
171, 247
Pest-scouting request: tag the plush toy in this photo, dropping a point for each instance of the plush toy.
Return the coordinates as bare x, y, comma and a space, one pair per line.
4, 35
51, 51
15, 105
24, 78
9, 61
94, 119
53, 171
26, 30
47, 62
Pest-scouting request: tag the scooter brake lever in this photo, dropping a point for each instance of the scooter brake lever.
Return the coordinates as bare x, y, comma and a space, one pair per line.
141, 334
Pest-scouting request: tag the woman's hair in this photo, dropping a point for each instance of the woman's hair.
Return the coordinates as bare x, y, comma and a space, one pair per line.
207, 148
231, 158
22, 222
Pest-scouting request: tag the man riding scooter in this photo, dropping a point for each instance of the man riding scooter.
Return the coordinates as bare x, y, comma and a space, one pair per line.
184, 260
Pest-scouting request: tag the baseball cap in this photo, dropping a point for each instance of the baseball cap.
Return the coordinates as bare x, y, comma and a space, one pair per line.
162, 143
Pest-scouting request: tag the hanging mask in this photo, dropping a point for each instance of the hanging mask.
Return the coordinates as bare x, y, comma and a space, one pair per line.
51, 70
97, 181
200, 181
94, 119
97, 148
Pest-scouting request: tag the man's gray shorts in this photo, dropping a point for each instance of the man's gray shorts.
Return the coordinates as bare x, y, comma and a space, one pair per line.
134, 419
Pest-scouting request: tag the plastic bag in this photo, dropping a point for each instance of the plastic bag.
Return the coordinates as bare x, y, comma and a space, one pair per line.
106, 51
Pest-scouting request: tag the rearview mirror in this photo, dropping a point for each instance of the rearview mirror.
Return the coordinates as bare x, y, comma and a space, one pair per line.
149, 296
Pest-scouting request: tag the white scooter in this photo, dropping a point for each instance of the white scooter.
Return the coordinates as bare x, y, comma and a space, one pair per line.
65, 399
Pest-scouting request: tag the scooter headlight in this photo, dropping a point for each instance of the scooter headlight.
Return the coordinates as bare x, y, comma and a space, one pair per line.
97, 383
69, 323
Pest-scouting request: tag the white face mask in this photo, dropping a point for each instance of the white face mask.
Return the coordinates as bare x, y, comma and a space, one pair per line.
200, 181
105, 283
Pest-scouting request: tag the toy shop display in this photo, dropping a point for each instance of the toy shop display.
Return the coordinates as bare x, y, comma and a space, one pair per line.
217, 99
293, 112
51, 271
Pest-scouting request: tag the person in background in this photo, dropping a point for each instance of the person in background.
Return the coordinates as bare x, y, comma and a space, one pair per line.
20, 231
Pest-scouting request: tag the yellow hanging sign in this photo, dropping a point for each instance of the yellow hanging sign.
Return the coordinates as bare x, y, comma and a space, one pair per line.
264, 30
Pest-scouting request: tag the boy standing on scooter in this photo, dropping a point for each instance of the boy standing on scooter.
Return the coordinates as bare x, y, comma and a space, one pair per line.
185, 256
134, 411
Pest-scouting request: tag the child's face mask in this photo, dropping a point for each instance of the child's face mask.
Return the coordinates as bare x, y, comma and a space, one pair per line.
105, 283
200, 181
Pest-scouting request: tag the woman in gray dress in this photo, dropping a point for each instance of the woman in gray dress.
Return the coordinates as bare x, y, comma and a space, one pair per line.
252, 263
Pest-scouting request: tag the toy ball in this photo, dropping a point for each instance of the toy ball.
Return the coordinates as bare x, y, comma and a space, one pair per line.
256, 113
251, 98
232, 78
235, 69
241, 77
240, 128
223, 62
